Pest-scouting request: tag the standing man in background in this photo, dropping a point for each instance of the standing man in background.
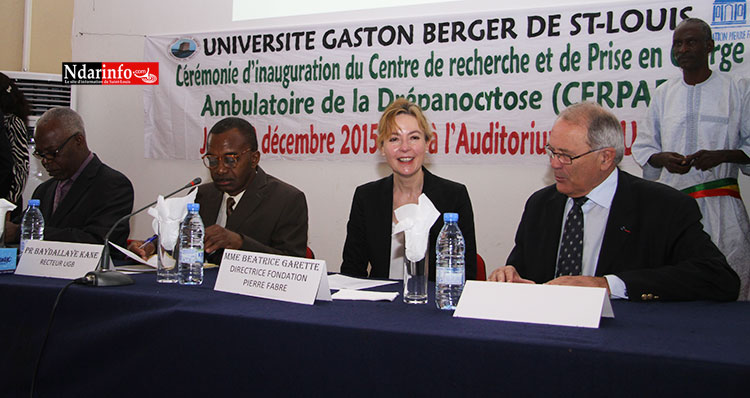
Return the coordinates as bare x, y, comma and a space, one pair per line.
697, 139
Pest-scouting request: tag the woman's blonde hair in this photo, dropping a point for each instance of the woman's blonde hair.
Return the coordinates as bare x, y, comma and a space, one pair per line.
401, 106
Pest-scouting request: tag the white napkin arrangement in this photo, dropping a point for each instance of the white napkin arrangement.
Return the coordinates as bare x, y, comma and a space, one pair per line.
168, 214
5, 207
415, 220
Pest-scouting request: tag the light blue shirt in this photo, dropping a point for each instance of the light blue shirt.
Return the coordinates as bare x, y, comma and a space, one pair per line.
595, 215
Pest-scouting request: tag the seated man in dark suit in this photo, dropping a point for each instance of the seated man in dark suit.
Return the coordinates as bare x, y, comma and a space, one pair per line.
84, 197
244, 208
600, 226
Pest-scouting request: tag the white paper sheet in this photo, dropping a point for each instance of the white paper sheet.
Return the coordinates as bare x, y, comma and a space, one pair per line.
151, 261
338, 281
364, 295
134, 268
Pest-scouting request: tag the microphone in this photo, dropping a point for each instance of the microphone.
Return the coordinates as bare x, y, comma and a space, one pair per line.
104, 275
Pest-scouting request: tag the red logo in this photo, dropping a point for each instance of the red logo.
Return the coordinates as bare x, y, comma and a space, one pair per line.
110, 72
130, 73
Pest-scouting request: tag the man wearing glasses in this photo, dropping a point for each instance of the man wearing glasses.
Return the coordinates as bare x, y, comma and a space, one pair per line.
243, 207
84, 197
599, 226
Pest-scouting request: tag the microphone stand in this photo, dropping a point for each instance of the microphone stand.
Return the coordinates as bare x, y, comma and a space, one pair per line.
104, 274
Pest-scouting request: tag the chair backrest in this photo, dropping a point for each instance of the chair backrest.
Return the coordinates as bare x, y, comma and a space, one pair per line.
481, 270
309, 253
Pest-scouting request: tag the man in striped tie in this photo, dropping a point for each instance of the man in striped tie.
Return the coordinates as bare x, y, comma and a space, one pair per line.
243, 207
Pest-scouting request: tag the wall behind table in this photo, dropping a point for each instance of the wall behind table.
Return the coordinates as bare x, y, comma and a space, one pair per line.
104, 31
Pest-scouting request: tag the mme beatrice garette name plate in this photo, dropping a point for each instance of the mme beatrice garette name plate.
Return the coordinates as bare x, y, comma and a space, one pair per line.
284, 278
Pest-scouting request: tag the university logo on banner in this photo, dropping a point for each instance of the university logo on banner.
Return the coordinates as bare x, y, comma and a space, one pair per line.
729, 13
111, 73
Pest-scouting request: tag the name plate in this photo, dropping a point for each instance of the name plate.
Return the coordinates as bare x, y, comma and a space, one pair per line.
58, 259
543, 304
7, 260
284, 278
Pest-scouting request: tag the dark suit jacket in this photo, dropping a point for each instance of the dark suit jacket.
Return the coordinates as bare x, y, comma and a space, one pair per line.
653, 241
98, 198
271, 216
368, 232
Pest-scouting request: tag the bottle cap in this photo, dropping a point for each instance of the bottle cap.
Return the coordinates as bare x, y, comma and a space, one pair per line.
450, 217
193, 206
33, 202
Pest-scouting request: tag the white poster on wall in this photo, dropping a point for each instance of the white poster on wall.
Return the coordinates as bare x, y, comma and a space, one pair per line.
490, 83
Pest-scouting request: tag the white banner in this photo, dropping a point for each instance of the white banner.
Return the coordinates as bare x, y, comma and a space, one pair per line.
491, 83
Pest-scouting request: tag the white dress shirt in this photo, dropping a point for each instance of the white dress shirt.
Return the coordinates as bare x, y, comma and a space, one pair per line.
595, 215
221, 218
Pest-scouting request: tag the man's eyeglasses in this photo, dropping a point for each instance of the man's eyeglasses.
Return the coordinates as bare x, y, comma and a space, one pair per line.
566, 159
52, 155
230, 160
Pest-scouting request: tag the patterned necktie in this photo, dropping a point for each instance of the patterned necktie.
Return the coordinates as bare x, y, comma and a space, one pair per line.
230, 206
570, 255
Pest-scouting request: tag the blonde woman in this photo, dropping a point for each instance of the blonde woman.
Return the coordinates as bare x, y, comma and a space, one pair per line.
403, 139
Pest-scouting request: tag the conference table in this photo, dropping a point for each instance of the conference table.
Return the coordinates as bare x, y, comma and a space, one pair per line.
151, 339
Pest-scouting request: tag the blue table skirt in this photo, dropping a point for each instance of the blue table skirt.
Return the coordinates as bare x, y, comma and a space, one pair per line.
151, 339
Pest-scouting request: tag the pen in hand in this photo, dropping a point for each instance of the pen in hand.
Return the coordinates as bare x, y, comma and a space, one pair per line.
147, 241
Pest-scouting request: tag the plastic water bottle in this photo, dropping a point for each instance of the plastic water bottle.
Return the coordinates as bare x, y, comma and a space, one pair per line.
32, 224
450, 269
190, 259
